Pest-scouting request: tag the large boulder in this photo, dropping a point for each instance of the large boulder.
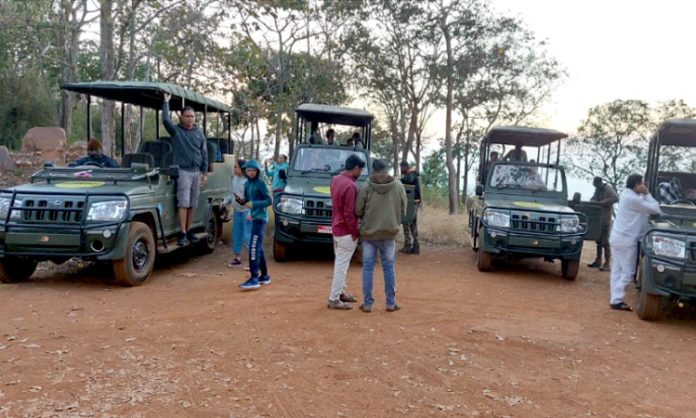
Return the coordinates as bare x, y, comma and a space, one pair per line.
49, 141
6, 160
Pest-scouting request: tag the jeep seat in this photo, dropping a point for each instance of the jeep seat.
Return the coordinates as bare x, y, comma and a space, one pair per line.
138, 157
158, 150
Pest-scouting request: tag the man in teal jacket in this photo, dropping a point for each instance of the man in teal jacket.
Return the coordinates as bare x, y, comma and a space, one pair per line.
278, 173
257, 199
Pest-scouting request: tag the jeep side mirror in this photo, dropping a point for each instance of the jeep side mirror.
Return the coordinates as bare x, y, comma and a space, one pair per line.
174, 171
479, 190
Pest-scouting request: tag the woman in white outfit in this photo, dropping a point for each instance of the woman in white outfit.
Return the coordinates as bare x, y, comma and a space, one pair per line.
635, 205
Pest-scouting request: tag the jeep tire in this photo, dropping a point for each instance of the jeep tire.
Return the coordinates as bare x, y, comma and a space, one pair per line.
280, 251
212, 230
16, 269
136, 267
484, 260
647, 304
569, 269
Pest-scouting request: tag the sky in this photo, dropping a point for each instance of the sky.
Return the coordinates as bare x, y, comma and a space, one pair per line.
613, 49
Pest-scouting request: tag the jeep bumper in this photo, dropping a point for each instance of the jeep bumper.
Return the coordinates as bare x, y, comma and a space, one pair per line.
295, 230
520, 244
668, 278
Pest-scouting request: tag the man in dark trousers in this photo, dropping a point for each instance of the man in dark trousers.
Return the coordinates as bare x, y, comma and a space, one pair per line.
190, 153
606, 196
344, 227
409, 177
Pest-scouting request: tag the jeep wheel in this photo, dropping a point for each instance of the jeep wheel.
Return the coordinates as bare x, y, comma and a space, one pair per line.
137, 265
647, 304
484, 260
569, 269
208, 244
13, 269
280, 251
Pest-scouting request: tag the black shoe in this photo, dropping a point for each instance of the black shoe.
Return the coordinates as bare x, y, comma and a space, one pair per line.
415, 249
620, 306
595, 265
183, 241
406, 250
192, 238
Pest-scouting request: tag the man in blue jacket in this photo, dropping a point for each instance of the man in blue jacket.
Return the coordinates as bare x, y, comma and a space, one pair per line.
257, 199
278, 173
190, 153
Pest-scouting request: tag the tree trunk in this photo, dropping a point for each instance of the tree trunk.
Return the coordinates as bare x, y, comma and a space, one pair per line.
452, 179
106, 60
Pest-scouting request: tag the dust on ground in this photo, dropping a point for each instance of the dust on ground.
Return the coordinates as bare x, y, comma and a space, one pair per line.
518, 342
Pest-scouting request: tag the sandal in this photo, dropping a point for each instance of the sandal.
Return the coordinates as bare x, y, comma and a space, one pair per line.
620, 306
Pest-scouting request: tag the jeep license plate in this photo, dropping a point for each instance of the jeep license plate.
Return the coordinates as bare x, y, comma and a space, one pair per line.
322, 229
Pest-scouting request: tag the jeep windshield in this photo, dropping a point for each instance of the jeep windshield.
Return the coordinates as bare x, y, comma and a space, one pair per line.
527, 177
328, 159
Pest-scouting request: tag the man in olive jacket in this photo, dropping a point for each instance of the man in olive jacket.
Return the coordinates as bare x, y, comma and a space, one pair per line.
606, 196
381, 204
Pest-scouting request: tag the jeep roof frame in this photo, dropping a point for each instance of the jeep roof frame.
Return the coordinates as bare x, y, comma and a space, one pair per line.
148, 95
672, 132
520, 136
315, 113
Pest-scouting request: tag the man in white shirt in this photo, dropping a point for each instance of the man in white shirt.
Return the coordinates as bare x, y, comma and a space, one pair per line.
635, 205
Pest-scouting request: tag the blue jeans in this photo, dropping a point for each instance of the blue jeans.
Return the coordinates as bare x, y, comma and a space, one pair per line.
387, 250
241, 231
257, 257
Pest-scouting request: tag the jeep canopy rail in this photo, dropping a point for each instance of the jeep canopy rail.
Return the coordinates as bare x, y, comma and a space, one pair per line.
149, 95
82, 174
310, 115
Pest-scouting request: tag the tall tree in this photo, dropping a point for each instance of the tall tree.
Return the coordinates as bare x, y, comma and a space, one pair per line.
612, 141
106, 61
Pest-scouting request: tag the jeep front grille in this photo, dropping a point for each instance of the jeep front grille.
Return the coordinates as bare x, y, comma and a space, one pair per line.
534, 222
317, 208
58, 210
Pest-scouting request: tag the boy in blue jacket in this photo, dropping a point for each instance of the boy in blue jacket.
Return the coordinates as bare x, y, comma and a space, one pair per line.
257, 199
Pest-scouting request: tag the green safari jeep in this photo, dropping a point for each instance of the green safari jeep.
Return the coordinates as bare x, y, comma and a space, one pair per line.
667, 263
125, 216
303, 210
521, 205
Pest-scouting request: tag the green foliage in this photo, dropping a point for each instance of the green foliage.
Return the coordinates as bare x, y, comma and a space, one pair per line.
26, 103
434, 173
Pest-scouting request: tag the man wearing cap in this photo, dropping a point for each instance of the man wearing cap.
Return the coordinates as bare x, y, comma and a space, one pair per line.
190, 153
606, 196
95, 156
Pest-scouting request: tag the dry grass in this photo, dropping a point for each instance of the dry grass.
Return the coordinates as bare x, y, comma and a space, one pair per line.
437, 227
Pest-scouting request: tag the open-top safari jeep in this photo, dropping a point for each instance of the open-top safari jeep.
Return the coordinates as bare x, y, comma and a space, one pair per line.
125, 216
521, 205
667, 263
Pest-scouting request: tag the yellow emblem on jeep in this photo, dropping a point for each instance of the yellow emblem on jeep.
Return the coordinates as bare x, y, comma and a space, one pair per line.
528, 205
322, 189
79, 184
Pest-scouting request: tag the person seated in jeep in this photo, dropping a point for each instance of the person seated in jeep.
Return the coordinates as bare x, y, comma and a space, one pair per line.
670, 191
95, 157
517, 154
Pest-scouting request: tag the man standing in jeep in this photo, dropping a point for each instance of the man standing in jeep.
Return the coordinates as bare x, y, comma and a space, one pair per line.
190, 153
606, 196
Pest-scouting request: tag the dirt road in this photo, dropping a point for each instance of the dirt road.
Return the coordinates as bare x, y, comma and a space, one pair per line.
518, 342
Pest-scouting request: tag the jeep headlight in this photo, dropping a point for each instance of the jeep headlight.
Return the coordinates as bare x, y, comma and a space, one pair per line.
496, 218
290, 205
4, 207
110, 210
570, 223
667, 247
